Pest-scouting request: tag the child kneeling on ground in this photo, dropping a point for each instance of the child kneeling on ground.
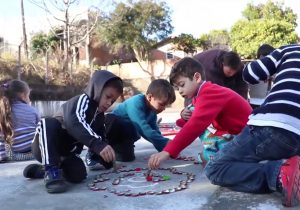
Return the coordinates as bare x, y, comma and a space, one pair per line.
141, 110
60, 140
213, 104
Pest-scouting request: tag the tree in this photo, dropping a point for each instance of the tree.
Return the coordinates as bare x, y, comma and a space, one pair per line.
214, 39
186, 42
265, 23
137, 26
41, 42
24, 30
74, 29
44, 44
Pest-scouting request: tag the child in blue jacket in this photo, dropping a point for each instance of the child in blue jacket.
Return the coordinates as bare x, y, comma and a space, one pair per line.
142, 109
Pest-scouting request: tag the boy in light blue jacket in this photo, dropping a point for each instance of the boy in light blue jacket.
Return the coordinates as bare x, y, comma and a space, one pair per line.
141, 110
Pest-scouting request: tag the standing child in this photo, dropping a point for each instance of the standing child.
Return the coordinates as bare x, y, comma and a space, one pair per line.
60, 140
223, 108
141, 110
272, 133
18, 121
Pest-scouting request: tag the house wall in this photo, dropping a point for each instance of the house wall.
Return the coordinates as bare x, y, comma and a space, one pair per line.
171, 48
156, 68
140, 80
100, 54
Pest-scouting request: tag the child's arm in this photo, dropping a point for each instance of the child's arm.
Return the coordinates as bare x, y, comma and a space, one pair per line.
146, 124
263, 69
75, 113
180, 122
207, 108
156, 159
185, 114
108, 154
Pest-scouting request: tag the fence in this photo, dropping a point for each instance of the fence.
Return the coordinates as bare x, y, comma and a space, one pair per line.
9, 49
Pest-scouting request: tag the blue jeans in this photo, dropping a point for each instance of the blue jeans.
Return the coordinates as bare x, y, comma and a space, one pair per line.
251, 162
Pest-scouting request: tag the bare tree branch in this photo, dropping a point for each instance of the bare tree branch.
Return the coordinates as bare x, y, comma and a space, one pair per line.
87, 33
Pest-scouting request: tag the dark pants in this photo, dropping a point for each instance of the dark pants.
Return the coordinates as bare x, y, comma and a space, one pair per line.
53, 146
121, 135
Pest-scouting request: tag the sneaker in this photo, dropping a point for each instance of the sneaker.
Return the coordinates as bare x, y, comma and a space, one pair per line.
54, 181
34, 171
95, 162
290, 181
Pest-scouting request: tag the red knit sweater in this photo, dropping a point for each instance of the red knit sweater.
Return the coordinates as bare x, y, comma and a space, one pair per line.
225, 109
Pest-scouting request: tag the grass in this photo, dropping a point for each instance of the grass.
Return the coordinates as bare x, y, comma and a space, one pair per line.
60, 86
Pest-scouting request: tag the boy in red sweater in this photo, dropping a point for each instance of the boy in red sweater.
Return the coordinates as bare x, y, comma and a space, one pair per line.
214, 105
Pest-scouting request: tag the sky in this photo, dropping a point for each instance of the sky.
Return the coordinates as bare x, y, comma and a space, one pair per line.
194, 17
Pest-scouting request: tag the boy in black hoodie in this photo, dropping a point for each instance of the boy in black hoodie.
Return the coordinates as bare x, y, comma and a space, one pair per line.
60, 140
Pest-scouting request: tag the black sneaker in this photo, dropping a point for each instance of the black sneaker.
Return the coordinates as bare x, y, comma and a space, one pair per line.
96, 162
34, 171
91, 163
54, 181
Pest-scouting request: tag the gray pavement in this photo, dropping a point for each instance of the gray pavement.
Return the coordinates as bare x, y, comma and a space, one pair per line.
20, 193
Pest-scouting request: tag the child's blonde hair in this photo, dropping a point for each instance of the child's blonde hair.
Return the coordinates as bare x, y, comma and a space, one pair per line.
9, 92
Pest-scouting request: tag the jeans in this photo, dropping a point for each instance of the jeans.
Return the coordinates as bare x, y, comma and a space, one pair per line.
251, 162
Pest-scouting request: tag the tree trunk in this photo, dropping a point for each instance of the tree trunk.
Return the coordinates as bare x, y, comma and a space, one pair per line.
24, 30
87, 44
66, 43
47, 67
19, 63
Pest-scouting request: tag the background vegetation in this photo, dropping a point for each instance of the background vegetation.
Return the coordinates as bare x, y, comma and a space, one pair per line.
136, 26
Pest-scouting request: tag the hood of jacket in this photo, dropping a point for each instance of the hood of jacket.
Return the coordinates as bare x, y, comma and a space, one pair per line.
97, 82
211, 61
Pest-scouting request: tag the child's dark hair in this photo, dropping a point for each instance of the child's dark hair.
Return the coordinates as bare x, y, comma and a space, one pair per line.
162, 89
9, 92
116, 83
264, 50
186, 67
233, 60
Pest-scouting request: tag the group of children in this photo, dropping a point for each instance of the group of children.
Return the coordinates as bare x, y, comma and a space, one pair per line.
237, 140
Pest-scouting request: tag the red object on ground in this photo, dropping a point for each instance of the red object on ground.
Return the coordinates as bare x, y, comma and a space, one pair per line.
168, 129
149, 178
137, 169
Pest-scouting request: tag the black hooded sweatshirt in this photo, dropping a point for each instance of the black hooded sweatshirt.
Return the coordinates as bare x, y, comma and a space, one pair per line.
81, 117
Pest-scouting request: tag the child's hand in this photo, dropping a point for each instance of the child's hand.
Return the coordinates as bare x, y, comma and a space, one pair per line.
186, 114
156, 159
108, 154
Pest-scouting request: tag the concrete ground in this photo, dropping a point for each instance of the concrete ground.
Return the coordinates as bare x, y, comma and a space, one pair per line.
20, 193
